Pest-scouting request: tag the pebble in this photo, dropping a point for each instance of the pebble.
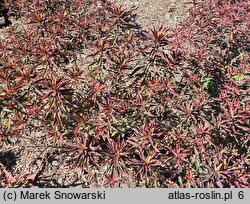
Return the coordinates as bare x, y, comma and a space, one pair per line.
55, 163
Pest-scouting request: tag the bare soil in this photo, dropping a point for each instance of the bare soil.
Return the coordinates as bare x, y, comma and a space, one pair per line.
157, 12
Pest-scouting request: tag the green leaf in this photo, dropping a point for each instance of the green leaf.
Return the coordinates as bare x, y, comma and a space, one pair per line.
238, 77
207, 81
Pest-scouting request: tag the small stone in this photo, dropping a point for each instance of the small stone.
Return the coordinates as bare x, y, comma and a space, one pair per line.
55, 163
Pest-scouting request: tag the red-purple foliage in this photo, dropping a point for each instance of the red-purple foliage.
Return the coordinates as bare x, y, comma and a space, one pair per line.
171, 104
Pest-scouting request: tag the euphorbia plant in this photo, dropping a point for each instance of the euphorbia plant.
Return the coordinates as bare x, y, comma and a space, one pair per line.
133, 104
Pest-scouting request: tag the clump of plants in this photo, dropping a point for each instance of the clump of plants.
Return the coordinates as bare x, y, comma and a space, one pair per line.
168, 107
